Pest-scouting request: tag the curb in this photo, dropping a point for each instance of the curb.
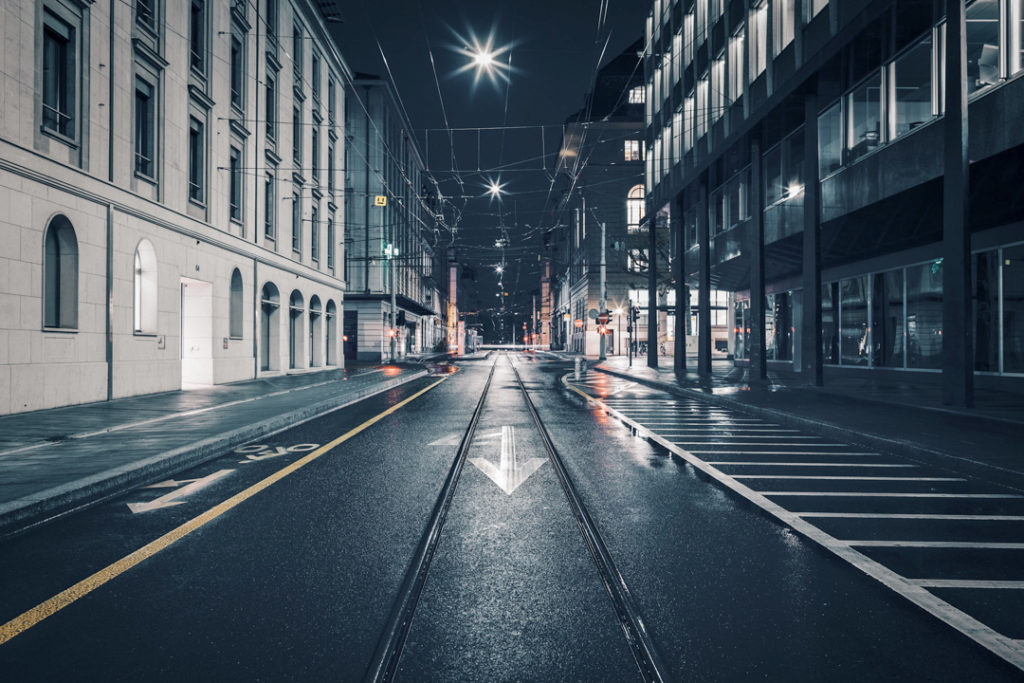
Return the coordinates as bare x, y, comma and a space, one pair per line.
906, 449
59, 500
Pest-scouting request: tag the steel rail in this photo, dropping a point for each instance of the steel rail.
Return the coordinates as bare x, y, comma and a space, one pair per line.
384, 664
638, 638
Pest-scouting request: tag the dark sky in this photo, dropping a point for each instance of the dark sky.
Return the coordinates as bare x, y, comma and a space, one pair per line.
554, 47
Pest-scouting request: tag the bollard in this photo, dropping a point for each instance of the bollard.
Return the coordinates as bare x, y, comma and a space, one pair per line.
580, 367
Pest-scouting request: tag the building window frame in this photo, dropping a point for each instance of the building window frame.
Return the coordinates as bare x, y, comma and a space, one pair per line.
59, 67
197, 157
60, 275
270, 207
145, 131
236, 186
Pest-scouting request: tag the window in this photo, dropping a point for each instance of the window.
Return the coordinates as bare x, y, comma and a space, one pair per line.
830, 140
677, 56
853, 321
864, 115
758, 30
145, 306
911, 92
269, 208
314, 233
297, 224
702, 20
688, 38
677, 135
736, 206
58, 76
635, 208
887, 319
718, 88
297, 137
145, 13
783, 169
636, 95
196, 160
60, 275
297, 54
812, 8
235, 185
830, 323
330, 169
1013, 308
632, 150
316, 154
689, 124
636, 260
331, 105
983, 39
736, 66
272, 20
237, 72
924, 315
330, 241
986, 310
716, 218
197, 37
271, 112
145, 129
701, 117
316, 77
235, 306
1016, 36
782, 22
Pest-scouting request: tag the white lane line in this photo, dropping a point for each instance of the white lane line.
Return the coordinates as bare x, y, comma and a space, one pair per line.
750, 452
841, 478
757, 443
1008, 649
909, 515
859, 494
967, 583
968, 545
719, 463
740, 431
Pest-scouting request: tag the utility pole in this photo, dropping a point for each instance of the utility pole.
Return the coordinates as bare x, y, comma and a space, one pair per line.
534, 322
602, 303
381, 201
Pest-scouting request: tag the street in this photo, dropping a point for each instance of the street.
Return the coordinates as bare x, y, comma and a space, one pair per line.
298, 578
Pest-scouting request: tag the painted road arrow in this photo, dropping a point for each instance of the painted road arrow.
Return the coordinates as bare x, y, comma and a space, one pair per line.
509, 473
169, 499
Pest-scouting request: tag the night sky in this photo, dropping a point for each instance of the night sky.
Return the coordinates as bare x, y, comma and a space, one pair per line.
554, 47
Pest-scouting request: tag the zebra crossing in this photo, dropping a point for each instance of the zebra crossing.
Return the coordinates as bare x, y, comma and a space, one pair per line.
951, 544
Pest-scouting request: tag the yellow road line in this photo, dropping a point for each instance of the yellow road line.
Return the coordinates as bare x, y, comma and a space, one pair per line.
30, 618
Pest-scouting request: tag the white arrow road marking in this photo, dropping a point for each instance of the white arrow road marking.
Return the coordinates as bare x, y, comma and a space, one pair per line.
275, 451
509, 473
455, 439
169, 499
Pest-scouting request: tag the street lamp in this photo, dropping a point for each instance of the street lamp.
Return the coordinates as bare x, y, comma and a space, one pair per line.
483, 58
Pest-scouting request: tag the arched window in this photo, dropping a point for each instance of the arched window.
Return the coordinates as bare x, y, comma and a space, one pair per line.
269, 327
235, 306
145, 288
296, 307
332, 333
315, 331
634, 208
60, 275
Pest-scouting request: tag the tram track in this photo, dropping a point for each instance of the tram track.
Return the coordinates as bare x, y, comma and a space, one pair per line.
384, 665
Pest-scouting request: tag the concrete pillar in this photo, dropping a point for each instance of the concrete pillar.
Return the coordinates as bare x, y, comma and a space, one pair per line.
704, 285
682, 295
755, 246
810, 324
652, 288
957, 343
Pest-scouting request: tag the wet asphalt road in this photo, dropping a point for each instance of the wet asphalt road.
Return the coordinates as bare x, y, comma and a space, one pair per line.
297, 581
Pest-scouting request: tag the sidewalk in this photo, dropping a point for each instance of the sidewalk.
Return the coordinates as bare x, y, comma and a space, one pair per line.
54, 460
986, 441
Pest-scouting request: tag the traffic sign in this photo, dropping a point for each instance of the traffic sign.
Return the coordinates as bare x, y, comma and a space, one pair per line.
592, 313
578, 323
604, 318
380, 200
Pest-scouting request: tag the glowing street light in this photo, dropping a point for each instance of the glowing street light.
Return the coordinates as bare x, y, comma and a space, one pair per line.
495, 188
499, 269
483, 56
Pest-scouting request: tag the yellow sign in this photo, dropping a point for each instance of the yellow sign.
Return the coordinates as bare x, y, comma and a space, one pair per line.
380, 200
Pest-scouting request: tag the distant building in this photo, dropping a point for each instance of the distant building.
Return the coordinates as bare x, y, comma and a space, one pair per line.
798, 149
169, 213
393, 244
600, 181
